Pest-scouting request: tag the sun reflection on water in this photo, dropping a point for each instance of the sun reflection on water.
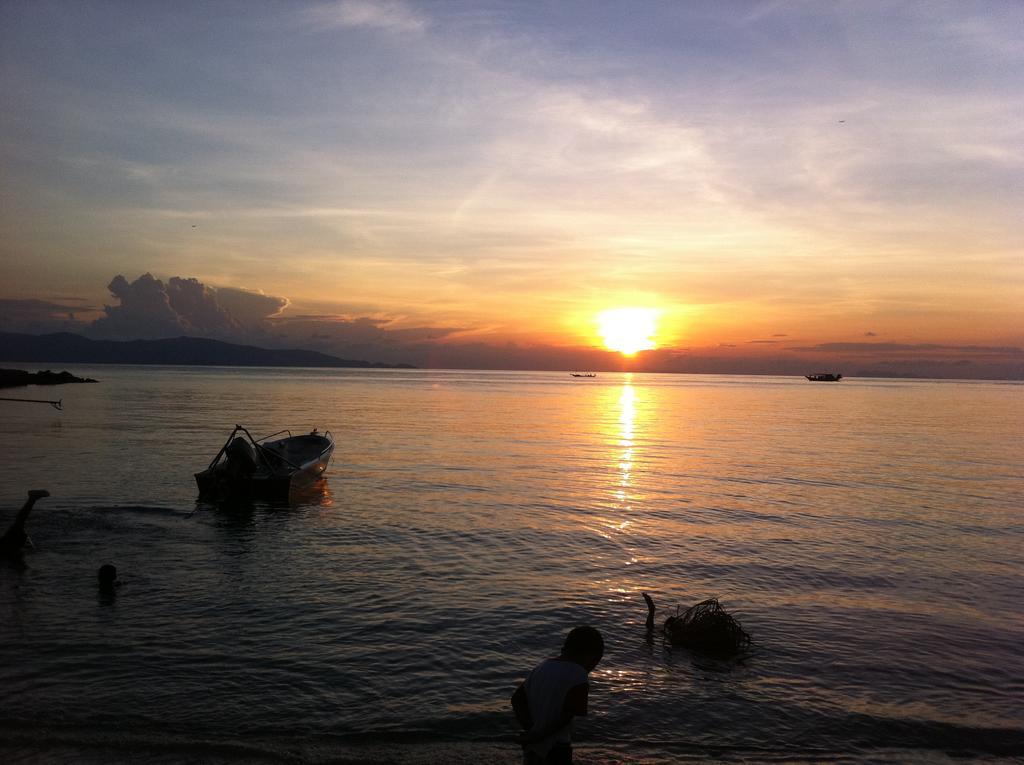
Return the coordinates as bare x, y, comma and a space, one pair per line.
621, 442
627, 424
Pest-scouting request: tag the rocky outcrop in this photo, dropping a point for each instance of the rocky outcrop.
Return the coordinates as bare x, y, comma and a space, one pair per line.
16, 378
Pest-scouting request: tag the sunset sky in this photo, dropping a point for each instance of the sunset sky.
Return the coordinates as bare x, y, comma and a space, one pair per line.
780, 184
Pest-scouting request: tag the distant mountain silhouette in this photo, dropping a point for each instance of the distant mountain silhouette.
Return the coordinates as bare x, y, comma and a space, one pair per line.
192, 351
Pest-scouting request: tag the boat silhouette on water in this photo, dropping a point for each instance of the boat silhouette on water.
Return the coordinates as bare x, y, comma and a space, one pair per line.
251, 467
824, 377
583, 374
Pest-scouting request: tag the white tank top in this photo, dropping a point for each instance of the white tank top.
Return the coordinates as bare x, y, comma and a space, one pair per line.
546, 688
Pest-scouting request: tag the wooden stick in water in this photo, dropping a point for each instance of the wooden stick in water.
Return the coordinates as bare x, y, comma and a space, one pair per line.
55, 404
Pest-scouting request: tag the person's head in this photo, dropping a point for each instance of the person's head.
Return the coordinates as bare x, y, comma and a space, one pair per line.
107, 575
584, 645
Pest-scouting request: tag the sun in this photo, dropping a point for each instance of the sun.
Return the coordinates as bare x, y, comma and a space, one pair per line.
628, 330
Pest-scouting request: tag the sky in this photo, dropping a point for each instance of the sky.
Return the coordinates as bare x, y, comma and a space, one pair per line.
783, 185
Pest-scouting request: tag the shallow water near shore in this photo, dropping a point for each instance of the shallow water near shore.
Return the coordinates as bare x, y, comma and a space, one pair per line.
868, 534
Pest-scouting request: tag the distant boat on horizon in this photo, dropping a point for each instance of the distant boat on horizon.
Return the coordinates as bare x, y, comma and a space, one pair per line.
583, 374
824, 377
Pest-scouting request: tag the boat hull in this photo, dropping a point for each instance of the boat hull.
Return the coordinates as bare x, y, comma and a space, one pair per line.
213, 483
266, 470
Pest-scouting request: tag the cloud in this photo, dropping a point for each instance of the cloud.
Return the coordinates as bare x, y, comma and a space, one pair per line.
344, 14
870, 334
149, 308
37, 317
368, 337
250, 308
762, 342
924, 348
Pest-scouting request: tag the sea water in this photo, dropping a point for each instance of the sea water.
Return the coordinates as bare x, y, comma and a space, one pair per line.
867, 533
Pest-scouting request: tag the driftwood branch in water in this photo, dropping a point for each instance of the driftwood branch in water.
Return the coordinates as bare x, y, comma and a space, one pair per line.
705, 627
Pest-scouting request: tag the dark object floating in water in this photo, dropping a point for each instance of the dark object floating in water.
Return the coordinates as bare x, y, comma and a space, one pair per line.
58, 404
107, 575
583, 374
824, 377
705, 627
16, 378
250, 467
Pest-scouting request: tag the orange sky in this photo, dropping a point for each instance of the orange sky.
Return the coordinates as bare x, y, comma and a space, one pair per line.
766, 177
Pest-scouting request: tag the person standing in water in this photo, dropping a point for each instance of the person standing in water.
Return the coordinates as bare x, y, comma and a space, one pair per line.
14, 539
554, 693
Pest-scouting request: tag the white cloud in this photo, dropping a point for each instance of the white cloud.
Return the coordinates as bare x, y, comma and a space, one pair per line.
149, 308
388, 15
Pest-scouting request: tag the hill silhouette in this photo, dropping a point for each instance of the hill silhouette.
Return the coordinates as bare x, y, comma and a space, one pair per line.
190, 351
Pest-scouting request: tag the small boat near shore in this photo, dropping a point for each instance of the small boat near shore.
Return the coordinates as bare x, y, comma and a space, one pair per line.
583, 374
824, 377
247, 466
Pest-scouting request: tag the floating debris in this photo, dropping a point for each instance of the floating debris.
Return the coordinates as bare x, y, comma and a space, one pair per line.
705, 627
